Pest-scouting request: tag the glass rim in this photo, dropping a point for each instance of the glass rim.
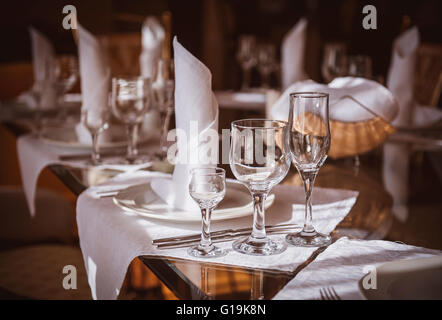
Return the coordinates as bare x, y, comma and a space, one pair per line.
217, 171
309, 94
130, 79
236, 124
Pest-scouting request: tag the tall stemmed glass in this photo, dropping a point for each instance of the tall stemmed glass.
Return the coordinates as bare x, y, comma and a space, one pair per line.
359, 66
260, 160
163, 87
246, 56
266, 63
334, 62
207, 187
96, 121
309, 142
66, 75
131, 99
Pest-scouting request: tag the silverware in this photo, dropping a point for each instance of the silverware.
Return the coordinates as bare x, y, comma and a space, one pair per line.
218, 236
329, 293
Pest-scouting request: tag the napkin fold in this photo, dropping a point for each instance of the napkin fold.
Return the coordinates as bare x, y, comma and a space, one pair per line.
350, 99
125, 235
343, 264
43, 63
292, 54
196, 118
95, 79
153, 35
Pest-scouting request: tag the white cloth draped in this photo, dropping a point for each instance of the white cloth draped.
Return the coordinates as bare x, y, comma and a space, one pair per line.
292, 54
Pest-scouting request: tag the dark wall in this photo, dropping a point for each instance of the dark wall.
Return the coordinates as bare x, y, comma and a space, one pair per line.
268, 19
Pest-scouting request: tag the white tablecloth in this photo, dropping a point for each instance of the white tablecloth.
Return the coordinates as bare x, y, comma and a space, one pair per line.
111, 238
343, 264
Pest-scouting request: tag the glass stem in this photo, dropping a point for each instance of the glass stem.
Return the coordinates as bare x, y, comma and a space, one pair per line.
206, 242
165, 119
259, 231
308, 178
132, 135
95, 149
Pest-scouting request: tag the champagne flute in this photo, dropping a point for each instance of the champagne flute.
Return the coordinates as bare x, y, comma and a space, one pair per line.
66, 75
131, 100
309, 142
259, 159
266, 63
246, 56
207, 187
96, 121
163, 87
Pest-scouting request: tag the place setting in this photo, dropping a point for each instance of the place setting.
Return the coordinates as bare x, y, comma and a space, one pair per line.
157, 158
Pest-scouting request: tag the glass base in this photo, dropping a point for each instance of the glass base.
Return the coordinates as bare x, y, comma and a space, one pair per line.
259, 247
200, 252
308, 239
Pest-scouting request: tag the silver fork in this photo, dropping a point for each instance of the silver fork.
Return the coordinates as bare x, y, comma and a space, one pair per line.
329, 293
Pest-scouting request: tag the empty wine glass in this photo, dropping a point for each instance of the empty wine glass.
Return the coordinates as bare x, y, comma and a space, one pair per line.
131, 100
66, 75
259, 159
207, 187
359, 66
246, 56
309, 142
96, 121
163, 87
334, 63
266, 62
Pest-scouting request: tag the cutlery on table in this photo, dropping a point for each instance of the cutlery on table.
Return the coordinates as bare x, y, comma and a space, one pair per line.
329, 293
218, 236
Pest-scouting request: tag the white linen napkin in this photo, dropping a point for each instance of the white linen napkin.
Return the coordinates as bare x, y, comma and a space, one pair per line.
153, 35
95, 79
34, 155
292, 54
196, 116
343, 264
43, 63
351, 99
125, 235
400, 81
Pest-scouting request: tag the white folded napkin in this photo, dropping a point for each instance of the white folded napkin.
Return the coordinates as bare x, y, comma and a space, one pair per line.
34, 155
125, 235
95, 80
153, 35
400, 81
43, 62
343, 264
351, 99
292, 54
195, 105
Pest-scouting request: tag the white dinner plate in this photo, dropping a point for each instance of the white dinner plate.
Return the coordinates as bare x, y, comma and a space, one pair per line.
142, 200
414, 279
66, 137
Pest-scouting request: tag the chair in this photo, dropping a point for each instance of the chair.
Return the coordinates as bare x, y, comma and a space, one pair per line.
34, 251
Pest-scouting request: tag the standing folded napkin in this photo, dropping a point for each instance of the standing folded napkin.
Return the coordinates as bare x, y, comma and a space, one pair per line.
95, 80
196, 118
342, 264
34, 155
43, 63
125, 235
292, 54
153, 36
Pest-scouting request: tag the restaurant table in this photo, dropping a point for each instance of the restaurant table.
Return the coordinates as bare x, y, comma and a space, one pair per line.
370, 218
